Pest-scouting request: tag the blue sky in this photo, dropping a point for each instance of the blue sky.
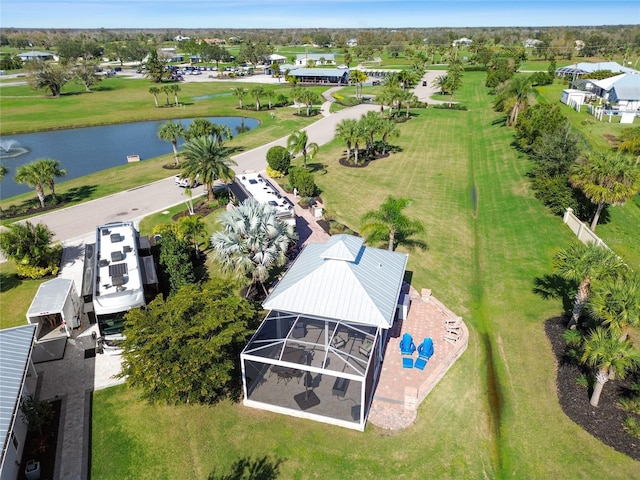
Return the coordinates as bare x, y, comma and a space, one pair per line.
313, 13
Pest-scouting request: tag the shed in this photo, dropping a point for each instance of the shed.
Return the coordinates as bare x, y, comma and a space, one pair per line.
573, 97
55, 309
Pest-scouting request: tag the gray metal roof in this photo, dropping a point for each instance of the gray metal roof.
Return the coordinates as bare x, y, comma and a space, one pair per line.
15, 351
319, 72
342, 279
50, 297
582, 68
628, 87
316, 56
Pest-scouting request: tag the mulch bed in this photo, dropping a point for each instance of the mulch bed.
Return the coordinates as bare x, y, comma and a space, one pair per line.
202, 208
349, 163
605, 422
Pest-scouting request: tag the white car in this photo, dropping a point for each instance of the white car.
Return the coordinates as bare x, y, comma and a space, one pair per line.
186, 182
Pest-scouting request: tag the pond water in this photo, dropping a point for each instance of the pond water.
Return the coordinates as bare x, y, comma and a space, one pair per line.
82, 151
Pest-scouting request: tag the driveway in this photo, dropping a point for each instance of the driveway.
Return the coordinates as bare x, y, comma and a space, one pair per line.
425, 92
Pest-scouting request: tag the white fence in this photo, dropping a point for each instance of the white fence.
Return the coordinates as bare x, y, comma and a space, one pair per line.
584, 233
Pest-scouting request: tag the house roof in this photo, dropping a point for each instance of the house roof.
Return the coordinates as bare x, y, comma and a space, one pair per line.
316, 56
627, 88
35, 54
318, 72
583, 68
344, 280
607, 83
16, 345
50, 297
275, 56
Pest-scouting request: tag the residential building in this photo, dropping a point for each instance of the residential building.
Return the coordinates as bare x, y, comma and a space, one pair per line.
303, 59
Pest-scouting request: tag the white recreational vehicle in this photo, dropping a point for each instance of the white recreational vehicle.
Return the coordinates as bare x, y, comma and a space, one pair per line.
55, 309
256, 186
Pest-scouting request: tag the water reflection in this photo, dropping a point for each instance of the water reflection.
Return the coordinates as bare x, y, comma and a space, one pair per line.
82, 151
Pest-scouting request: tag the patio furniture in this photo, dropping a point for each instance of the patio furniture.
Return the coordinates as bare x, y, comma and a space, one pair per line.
452, 336
340, 386
407, 347
453, 322
338, 342
365, 348
425, 352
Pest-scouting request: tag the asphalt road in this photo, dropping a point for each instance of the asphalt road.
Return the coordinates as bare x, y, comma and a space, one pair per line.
80, 220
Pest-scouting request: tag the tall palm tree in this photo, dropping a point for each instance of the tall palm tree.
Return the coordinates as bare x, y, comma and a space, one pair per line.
582, 264
388, 130
200, 127
257, 92
610, 357
616, 303
155, 91
252, 241
609, 178
309, 97
296, 95
240, 92
175, 88
167, 90
359, 77
222, 132
32, 174
389, 223
207, 160
298, 143
50, 171
371, 124
441, 82
407, 99
171, 132
513, 97
347, 131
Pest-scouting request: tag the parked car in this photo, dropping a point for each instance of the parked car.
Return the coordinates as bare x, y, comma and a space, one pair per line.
186, 182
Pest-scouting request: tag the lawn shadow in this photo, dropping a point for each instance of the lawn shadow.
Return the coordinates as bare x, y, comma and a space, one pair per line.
320, 168
552, 286
9, 281
77, 194
248, 468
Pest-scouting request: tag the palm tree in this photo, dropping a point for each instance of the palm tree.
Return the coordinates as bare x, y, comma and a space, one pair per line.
240, 92
155, 91
275, 68
191, 227
200, 127
222, 132
616, 303
50, 171
298, 142
175, 88
582, 264
171, 132
309, 97
610, 357
4, 171
33, 175
388, 222
370, 123
167, 90
257, 92
252, 240
407, 99
513, 97
388, 130
207, 160
359, 77
442, 83
296, 95
347, 131
606, 179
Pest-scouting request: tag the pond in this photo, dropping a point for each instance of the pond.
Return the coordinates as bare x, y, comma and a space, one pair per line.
82, 151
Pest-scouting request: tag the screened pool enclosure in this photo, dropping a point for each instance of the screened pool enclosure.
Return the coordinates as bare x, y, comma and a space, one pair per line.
319, 351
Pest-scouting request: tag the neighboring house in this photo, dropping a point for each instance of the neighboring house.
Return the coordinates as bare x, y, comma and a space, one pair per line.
284, 67
338, 76
180, 38
34, 55
319, 351
464, 41
352, 42
214, 41
623, 90
275, 58
302, 59
531, 42
17, 380
577, 70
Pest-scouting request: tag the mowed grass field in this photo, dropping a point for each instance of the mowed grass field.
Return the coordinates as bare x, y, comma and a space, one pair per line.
494, 415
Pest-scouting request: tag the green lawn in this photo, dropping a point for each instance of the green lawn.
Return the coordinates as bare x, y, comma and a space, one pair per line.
495, 414
15, 296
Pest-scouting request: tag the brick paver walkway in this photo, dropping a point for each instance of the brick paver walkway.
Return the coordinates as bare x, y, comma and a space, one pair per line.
400, 390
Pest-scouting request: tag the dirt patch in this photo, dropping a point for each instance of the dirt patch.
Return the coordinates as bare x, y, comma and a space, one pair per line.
605, 422
612, 140
203, 209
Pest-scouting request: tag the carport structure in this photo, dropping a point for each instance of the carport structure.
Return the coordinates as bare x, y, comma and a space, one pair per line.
319, 351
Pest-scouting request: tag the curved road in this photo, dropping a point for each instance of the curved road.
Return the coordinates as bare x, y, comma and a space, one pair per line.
81, 220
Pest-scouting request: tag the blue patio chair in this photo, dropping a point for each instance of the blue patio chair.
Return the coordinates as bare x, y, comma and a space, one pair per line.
407, 347
425, 351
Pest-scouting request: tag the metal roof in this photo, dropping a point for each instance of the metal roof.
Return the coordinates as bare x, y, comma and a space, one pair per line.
582, 68
16, 345
627, 88
318, 72
50, 297
344, 280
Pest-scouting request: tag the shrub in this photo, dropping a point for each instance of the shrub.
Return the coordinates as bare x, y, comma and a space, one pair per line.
583, 380
279, 159
630, 404
453, 106
302, 179
34, 272
304, 202
274, 173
